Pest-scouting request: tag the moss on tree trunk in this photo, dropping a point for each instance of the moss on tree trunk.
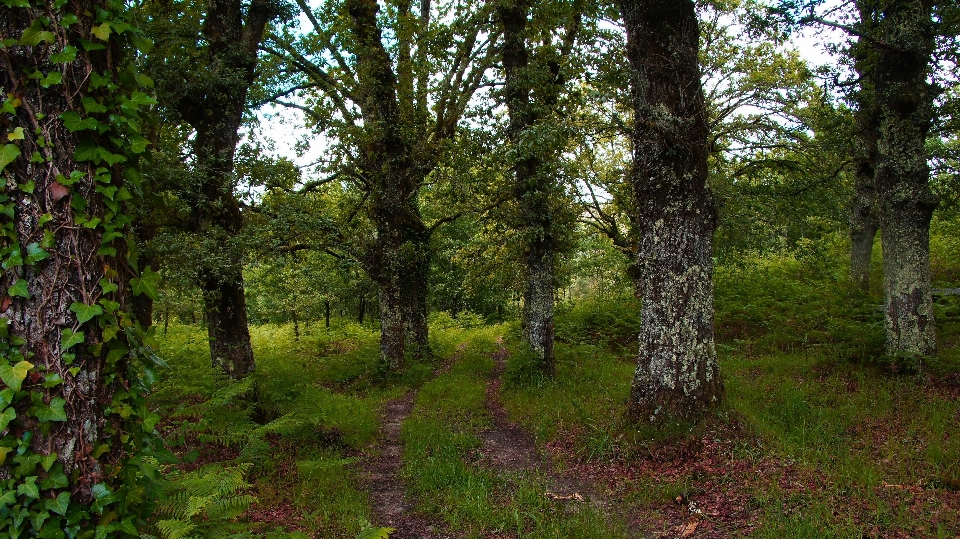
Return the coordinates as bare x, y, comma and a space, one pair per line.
904, 108
677, 376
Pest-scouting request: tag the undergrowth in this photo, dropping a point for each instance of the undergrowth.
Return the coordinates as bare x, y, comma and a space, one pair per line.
820, 435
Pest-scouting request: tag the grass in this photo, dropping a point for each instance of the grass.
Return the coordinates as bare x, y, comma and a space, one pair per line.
818, 437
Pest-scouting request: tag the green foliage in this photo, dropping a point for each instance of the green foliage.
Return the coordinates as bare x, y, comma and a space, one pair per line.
793, 301
204, 503
369, 531
612, 322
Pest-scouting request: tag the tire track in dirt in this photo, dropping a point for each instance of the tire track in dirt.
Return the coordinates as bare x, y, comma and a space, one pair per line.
508, 447
391, 505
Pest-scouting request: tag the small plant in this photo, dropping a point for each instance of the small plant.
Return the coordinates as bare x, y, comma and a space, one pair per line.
369, 531
204, 503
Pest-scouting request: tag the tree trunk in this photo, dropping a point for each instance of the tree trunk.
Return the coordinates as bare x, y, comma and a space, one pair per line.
396, 170
864, 218
363, 308
296, 326
534, 185
391, 328
64, 288
326, 313
904, 104
415, 290
677, 376
214, 107
226, 314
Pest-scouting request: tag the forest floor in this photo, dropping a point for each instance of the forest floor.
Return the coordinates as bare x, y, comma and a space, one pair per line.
470, 445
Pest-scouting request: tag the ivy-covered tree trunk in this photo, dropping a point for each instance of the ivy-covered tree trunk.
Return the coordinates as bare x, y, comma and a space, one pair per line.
214, 107
68, 138
677, 376
904, 106
864, 218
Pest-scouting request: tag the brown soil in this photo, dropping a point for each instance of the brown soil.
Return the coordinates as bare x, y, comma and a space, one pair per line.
392, 506
508, 447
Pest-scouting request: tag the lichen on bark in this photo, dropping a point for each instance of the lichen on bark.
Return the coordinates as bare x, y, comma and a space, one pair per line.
677, 376
904, 113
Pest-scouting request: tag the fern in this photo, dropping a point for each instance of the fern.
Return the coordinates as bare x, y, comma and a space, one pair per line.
175, 529
369, 531
204, 503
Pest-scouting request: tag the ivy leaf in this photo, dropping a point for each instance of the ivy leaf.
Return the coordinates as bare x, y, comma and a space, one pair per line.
35, 253
29, 488
146, 283
6, 417
8, 153
102, 31
68, 338
68, 55
60, 505
92, 105
108, 286
19, 289
16, 135
68, 20
4, 500
73, 122
54, 412
137, 143
35, 34
13, 376
85, 312
54, 77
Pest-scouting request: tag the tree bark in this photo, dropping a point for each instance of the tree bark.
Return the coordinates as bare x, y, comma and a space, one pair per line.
214, 107
52, 264
904, 105
415, 295
677, 376
226, 314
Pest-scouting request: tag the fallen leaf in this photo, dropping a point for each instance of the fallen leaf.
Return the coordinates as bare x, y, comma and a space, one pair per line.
575, 496
5, 304
58, 191
686, 530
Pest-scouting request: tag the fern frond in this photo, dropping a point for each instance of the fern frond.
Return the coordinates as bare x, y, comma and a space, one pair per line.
175, 529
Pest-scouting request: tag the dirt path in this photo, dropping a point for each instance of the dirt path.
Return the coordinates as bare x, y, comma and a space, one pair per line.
392, 506
509, 447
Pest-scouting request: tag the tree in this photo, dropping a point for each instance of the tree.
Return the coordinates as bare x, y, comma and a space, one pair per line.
72, 416
864, 221
904, 105
207, 88
534, 83
393, 87
677, 375
896, 44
